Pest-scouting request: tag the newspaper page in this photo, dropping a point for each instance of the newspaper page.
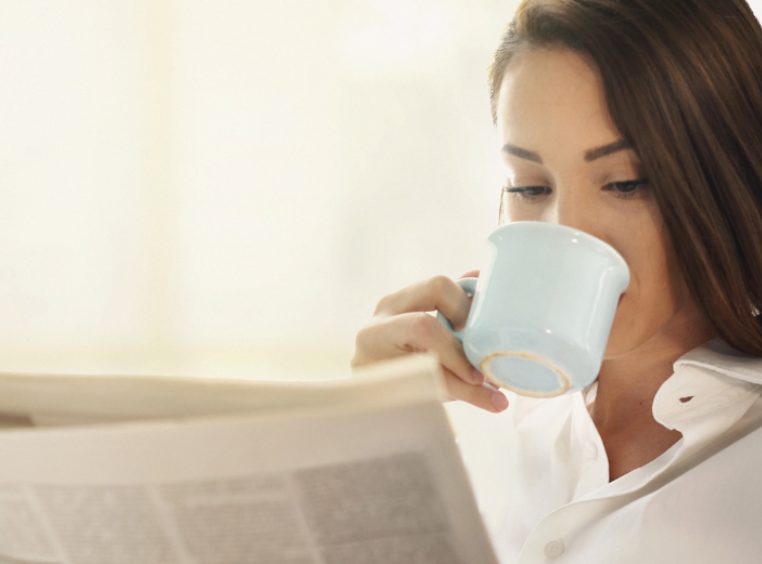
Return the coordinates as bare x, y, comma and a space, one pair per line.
370, 476
67, 399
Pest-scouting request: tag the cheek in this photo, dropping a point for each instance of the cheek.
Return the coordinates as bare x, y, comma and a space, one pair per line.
626, 331
648, 304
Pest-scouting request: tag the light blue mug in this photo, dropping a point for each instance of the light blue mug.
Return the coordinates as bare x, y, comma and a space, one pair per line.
543, 308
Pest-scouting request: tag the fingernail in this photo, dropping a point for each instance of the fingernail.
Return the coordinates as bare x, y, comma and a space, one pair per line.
499, 401
476, 376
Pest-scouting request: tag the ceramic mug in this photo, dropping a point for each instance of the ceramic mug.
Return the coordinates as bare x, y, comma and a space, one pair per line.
542, 308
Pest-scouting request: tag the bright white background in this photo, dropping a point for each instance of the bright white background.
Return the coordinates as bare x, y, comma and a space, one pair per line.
228, 187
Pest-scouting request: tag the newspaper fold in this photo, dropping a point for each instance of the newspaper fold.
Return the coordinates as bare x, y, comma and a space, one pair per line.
142, 470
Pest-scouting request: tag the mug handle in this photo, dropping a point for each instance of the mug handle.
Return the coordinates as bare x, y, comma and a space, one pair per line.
469, 287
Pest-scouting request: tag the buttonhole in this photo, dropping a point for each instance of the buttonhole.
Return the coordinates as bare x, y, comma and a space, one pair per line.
686, 399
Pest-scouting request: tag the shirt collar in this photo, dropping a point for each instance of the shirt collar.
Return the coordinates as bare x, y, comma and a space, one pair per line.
711, 388
719, 357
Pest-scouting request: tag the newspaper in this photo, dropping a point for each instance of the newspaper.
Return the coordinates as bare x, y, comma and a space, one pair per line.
136, 470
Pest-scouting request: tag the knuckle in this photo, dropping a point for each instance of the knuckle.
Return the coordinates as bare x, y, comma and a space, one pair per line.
423, 328
362, 339
447, 294
439, 285
358, 360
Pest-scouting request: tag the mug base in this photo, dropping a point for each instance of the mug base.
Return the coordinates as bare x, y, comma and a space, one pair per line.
526, 373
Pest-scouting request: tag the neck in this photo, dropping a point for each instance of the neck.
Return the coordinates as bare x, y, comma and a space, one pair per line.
628, 383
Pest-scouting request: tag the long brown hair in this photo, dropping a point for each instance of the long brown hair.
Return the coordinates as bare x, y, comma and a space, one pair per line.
683, 82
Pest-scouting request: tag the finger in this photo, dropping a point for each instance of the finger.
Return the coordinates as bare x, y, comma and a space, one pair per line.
471, 274
437, 293
484, 396
390, 337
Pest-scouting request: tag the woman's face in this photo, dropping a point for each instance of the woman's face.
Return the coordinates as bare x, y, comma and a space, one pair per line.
566, 163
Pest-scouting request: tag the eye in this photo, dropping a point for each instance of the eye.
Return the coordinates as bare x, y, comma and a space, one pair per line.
526, 192
624, 189
627, 188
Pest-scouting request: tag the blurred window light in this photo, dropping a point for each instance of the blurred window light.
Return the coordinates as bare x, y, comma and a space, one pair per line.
397, 37
229, 187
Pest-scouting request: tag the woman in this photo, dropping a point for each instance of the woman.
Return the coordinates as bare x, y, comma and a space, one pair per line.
639, 122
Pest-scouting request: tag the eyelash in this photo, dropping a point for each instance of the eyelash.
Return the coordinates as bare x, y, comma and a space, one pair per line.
520, 192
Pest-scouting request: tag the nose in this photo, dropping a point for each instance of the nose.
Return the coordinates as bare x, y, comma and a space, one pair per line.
574, 209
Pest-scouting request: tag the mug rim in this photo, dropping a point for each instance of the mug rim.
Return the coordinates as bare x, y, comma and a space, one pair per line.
566, 230
565, 382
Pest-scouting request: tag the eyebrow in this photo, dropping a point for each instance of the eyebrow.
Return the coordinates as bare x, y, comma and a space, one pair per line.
590, 154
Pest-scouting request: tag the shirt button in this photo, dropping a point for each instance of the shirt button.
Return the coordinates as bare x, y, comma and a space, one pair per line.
555, 548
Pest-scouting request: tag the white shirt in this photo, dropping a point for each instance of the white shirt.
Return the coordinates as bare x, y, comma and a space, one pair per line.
699, 502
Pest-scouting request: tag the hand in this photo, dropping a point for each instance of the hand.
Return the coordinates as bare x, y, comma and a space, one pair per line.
401, 325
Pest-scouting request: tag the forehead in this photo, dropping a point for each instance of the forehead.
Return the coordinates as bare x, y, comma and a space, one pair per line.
553, 95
